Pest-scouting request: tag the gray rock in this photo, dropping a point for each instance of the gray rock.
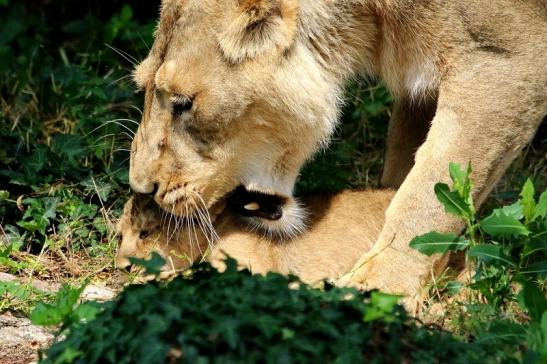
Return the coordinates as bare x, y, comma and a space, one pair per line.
20, 340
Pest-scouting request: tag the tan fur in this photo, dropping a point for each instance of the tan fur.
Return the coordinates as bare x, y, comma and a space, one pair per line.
266, 77
341, 226
143, 228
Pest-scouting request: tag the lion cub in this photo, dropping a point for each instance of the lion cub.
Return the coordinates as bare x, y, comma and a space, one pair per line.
340, 228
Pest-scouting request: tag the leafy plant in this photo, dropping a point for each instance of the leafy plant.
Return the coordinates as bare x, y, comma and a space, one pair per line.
508, 250
235, 317
64, 307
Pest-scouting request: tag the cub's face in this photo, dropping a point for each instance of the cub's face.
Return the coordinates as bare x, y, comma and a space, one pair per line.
139, 230
144, 228
233, 97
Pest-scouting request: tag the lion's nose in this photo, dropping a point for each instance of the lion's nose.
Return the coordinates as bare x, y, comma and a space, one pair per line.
144, 189
141, 183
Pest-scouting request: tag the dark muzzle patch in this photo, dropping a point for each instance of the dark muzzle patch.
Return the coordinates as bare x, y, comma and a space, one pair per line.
256, 204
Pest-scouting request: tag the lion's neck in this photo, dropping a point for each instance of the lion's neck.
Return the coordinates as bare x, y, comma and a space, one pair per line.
380, 38
340, 34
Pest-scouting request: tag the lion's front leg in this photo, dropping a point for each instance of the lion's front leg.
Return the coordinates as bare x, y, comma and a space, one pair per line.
485, 115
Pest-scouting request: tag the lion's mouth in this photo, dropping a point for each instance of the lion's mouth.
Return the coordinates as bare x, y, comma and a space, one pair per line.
181, 203
256, 204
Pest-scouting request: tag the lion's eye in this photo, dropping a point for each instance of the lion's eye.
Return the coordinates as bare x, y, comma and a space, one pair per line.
181, 104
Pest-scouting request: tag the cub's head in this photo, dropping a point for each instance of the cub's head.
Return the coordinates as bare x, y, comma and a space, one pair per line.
234, 97
139, 230
143, 228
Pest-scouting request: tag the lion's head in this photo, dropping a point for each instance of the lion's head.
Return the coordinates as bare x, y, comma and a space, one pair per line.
235, 96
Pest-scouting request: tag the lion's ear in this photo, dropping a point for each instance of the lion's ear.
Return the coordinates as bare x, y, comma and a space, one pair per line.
255, 27
144, 72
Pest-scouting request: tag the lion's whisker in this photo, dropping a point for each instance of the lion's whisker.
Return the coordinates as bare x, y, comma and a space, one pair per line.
129, 58
188, 231
204, 229
197, 239
113, 121
118, 80
208, 215
136, 108
169, 236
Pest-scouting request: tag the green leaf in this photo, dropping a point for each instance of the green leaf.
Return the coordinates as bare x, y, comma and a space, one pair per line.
544, 330
460, 178
453, 203
503, 330
527, 199
462, 184
382, 306
535, 244
533, 299
47, 314
490, 253
539, 268
541, 207
454, 287
498, 224
434, 242
151, 266
4, 195
514, 210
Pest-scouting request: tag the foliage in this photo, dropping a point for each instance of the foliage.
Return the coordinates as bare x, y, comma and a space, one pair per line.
508, 250
66, 117
64, 307
235, 317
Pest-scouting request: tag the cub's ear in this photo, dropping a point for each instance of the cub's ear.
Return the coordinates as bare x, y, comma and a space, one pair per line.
255, 27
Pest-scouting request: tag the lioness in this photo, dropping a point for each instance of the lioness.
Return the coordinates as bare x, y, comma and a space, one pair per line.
243, 92
340, 227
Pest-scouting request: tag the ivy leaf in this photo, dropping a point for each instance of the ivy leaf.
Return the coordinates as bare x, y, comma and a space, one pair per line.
435, 242
64, 304
541, 208
151, 266
453, 203
490, 253
534, 300
498, 224
527, 199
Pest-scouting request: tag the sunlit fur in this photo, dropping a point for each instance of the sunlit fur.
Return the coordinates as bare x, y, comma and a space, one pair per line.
144, 228
266, 76
340, 227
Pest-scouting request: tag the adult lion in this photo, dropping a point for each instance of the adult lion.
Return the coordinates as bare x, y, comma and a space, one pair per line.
243, 92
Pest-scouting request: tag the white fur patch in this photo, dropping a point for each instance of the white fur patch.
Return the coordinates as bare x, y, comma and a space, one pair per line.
291, 224
420, 79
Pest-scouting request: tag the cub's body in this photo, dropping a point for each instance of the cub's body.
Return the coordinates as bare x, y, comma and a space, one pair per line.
340, 226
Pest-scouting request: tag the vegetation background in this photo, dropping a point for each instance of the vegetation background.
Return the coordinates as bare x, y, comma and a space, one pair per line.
68, 110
